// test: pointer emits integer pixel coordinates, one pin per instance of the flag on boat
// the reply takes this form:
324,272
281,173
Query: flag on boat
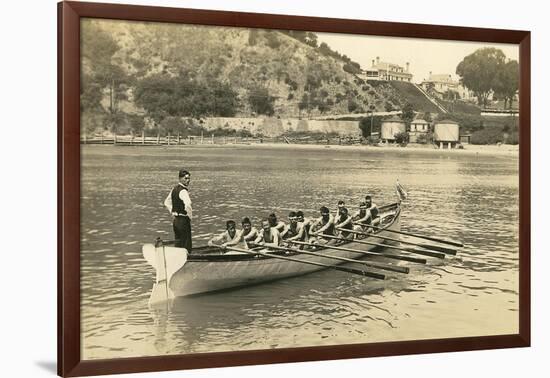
401,192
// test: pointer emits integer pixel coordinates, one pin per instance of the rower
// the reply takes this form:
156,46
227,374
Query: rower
273,222
323,225
345,222
341,204
373,211
294,230
268,236
248,232
306,223
229,237
361,216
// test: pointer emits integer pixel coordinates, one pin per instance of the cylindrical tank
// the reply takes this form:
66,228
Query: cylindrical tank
392,126
446,131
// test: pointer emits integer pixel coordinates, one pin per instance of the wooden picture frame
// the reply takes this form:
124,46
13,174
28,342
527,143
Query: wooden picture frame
69,358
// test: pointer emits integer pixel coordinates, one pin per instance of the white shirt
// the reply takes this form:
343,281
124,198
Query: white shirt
184,196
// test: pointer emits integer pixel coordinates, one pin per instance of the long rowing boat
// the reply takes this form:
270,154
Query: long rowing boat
209,269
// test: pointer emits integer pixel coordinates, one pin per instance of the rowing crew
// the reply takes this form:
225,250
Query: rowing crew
274,232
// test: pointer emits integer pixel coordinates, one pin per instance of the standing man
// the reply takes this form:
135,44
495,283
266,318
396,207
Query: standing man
178,203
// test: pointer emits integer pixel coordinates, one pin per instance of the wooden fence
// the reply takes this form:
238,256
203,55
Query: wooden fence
170,140
129,140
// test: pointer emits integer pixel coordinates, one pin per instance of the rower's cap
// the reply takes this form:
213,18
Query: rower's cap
184,172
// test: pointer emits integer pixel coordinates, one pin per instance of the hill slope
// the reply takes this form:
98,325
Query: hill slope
299,78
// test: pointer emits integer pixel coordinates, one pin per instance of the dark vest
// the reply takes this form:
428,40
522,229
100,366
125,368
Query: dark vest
177,204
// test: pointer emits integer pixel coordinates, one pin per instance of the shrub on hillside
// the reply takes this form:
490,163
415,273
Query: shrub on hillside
422,139
513,138
487,136
272,40
352,68
402,137
468,122
352,106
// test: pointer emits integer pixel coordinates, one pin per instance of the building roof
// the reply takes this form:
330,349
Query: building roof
420,121
441,78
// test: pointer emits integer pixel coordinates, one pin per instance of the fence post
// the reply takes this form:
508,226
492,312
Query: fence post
212,139
143,136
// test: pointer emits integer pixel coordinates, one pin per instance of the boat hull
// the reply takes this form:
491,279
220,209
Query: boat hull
201,276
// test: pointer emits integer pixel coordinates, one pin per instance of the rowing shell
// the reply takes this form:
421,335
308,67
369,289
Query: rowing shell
207,269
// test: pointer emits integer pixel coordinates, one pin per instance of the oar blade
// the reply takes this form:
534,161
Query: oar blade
437,255
404,258
437,248
360,272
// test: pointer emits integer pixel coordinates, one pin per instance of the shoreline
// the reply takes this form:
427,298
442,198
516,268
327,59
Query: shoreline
470,149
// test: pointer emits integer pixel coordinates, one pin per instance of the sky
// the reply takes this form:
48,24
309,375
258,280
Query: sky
424,55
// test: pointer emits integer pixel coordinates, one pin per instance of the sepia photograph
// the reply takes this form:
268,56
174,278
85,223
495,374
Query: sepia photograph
247,189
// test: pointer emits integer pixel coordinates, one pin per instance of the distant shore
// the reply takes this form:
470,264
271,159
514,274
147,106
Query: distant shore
469,149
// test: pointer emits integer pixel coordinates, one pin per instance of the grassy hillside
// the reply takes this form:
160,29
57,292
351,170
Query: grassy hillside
407,92
294,78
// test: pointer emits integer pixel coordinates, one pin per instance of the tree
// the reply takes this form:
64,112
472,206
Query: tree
156,95
407,113
137,124
311,39
428,117
173,126
402,137
104,73
369,125
223,98
261,101
508,82
479,72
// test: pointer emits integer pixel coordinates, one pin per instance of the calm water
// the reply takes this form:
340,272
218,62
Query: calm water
471,198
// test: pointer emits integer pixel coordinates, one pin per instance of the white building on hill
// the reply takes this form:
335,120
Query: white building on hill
387,71
439,84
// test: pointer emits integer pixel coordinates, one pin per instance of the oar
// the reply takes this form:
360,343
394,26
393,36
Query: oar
427,246
411,250
339,268
450,242
371,254
398,269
